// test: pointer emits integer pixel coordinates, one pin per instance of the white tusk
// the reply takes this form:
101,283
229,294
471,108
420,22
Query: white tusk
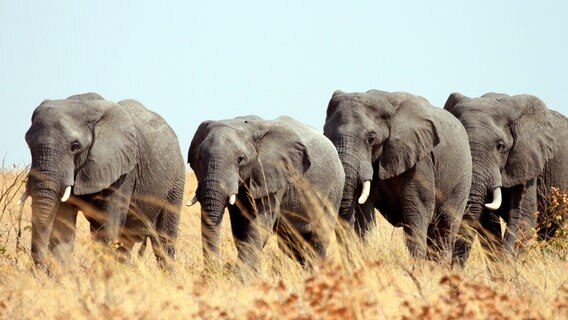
192,201
496,200
23,198
233,199
66,194
365,192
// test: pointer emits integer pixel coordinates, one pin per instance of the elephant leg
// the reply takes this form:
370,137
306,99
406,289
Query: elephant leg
364,218
465,238
301,245
290,242
62,237
490,234
418,203
522,216
447,223
251,224
107,217
167,226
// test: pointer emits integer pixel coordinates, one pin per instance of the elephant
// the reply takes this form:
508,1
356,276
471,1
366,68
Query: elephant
519,151
119,163
407,159
277,176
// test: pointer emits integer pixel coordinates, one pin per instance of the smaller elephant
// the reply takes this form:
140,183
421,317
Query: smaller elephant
273,175
519,149
406,158
119,163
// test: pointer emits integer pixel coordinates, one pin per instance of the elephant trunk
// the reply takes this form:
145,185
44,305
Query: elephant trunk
486,180
212,209
44,209
357,179
48,181
215,191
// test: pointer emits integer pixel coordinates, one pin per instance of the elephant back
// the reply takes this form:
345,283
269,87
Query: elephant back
155,135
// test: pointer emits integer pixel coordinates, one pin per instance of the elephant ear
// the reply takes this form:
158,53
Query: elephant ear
413,135
282,159
534,139
453,100
198,138
332,104
113,152
86,96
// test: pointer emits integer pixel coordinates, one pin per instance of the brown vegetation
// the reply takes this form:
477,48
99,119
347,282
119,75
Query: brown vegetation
380,280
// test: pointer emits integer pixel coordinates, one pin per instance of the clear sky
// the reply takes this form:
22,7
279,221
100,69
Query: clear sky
197,60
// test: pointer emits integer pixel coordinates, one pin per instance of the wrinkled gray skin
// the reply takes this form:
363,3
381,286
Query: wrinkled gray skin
417,158
126,169
283,174
517,144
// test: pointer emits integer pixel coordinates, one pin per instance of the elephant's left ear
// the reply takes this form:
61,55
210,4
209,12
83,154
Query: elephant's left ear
534,139
114,151
282,159
413,135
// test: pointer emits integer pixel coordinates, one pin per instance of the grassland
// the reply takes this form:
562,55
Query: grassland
380,280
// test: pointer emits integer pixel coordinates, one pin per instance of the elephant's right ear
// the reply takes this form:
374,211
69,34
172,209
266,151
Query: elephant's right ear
198,138
453,100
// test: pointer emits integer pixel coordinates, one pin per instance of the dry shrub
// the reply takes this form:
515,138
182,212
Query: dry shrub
553,225
463,299
378,280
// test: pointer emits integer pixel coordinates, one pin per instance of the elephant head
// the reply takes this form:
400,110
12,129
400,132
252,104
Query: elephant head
82,144
377,135
511,138
244,158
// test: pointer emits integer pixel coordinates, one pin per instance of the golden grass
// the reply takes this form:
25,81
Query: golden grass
381,281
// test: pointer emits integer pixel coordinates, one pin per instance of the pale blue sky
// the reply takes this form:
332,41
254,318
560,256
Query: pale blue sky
193,61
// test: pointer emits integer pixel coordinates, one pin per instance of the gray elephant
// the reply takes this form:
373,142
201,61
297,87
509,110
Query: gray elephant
407,159
119,163
273,175
519,150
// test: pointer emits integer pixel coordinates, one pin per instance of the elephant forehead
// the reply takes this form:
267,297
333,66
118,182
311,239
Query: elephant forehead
365,103
77,109
224,136
237,124
485,107
484,130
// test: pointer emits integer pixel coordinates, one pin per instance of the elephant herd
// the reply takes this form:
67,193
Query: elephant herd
443,175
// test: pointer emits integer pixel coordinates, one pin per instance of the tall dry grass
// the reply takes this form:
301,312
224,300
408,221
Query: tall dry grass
380,280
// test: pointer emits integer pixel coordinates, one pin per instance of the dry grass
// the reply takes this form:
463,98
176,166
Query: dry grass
381,281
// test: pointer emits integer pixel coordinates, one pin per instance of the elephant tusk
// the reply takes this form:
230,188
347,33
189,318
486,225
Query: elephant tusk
23,198
365,192
66,194
192,201
496,204
233,199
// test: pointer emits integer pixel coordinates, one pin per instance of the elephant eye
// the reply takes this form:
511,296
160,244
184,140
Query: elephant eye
501,147
241,160
371,138
75,146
